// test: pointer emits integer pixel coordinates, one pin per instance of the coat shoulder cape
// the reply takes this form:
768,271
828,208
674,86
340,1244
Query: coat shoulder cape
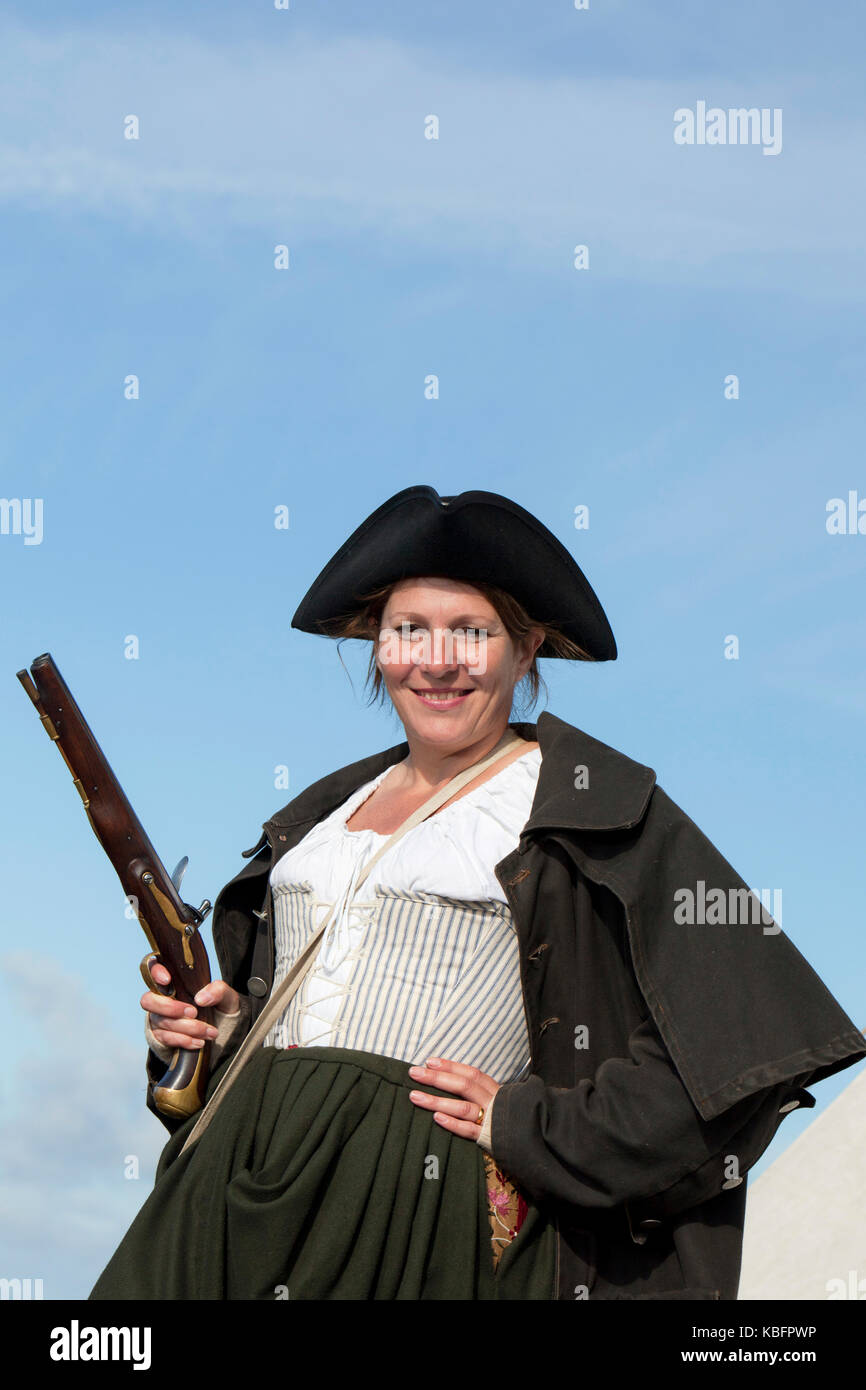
737,1005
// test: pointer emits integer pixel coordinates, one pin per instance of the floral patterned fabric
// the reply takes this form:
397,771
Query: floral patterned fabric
506,1208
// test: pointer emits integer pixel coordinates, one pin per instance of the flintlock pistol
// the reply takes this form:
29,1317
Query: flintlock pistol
170,925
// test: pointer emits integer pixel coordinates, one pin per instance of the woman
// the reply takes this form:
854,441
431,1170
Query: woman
508,1072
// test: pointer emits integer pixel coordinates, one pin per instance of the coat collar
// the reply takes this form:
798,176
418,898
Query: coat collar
584,784
612,791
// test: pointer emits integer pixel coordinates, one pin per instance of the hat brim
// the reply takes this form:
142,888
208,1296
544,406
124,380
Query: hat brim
473,537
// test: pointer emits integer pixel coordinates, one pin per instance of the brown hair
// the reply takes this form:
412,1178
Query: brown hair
364,622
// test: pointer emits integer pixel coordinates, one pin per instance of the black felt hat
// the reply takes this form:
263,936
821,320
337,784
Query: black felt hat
476,536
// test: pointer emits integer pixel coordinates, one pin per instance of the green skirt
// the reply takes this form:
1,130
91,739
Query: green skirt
318,1178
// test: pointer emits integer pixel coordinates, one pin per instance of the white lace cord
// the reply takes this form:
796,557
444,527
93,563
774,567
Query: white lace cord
336,943
325,1033
280,1031
334,948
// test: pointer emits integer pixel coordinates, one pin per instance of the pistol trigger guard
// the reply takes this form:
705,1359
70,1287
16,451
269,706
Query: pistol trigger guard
150,959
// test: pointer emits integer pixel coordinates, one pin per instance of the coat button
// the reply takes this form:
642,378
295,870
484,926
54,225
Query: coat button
797,1099
257,987
640,1231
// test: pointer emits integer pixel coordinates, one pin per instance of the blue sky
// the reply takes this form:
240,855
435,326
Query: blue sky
305,387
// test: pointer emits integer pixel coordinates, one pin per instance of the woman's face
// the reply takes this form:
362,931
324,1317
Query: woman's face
450,684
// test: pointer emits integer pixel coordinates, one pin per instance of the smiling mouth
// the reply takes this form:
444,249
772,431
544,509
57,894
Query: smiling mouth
440,697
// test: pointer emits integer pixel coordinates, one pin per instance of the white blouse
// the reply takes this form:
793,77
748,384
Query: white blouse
444,864
452,852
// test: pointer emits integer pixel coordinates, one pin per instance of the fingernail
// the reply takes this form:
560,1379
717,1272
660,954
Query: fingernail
434,1061
211,1032
202,997
189,1011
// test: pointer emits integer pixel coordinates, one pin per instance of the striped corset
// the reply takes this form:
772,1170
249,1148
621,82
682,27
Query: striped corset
404,974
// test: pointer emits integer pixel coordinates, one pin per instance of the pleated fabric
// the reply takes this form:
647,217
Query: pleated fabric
319,1179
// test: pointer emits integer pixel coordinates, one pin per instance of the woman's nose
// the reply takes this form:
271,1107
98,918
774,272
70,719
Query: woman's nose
439,652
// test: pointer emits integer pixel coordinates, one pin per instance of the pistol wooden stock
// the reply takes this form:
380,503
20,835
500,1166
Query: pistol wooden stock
170,925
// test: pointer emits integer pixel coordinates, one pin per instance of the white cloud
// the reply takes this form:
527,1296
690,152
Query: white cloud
70,1121
306,138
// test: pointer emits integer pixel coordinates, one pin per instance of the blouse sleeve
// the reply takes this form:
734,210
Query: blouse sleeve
227,1026
484,1140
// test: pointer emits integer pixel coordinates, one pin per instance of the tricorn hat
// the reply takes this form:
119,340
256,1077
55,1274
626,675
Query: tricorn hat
476,536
